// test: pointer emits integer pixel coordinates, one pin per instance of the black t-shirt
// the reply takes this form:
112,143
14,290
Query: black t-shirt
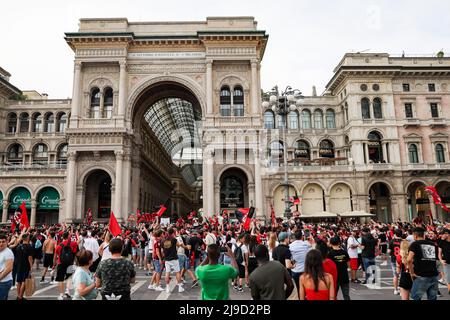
340,258
425,256
281,253
445,247
382,237
394,247
369,244
196,245
22,253
169,246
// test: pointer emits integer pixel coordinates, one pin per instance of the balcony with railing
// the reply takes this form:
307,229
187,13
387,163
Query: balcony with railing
411,122
13,168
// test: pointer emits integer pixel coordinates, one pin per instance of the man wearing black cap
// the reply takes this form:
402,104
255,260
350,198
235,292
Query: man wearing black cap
422,266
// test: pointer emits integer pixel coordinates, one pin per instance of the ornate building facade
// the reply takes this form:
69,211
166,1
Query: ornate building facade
172,112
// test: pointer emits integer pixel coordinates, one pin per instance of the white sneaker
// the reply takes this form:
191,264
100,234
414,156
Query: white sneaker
53,282
60,297
167,289
396,292
159,288
151,287
180,289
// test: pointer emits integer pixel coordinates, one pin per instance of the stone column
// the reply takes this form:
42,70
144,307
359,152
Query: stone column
217,197
366,152
76,108
205,184
209,88
258,186
254,87
122,88
71,185
432,207
126,185
135,186
119,184
33,212
210,165
385,152
5,211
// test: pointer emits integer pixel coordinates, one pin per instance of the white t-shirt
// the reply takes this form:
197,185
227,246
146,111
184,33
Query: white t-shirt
6,255
410,238
210,239
353,253
91,244
244,249
106,253
180,249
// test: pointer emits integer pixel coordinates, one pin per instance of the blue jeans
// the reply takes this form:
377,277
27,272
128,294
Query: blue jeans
422,285
368,262
4,289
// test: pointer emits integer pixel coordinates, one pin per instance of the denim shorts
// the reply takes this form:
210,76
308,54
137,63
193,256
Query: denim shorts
184,262
157,265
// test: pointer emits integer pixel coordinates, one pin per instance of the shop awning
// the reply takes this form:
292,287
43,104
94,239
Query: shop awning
18,196
48,199
323,214
356,214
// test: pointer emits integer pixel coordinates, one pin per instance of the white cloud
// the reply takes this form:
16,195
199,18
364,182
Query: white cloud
306,38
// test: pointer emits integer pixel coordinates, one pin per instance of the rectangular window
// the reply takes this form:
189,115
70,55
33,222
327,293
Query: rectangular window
406,87
238,110
225,110
434,110
408,110
431,87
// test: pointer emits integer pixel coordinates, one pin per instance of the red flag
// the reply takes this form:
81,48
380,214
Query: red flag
161,211
24,217
244,211
15,221
248,218
295,200
272,215
114,225
436,198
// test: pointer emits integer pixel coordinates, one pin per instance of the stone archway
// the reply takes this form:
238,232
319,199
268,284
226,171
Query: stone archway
234,193
97,194
418,200
380,201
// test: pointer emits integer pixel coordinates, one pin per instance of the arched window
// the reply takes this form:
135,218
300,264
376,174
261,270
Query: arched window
62,122
225,102
95,103
293,120
238,101
302,150
365,108
62,154
37,122
15,154
375,148
40,154
24,122
331,121
318,119
326,149
12,123
276,150
306,119
108,103
280,122
49,125
377,110
413,154
440,153
269,120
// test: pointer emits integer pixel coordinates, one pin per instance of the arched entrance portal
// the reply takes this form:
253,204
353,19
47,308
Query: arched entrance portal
97,195
443,189
234,189
418,201
168,148
380,202
47,210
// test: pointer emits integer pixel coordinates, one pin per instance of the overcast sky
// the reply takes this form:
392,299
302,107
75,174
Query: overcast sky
307,38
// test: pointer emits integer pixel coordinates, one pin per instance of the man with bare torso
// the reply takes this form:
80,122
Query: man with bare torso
49,251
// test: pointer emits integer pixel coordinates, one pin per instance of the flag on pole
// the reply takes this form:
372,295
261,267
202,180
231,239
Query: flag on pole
24,217
114,225
244,211
89,217
436,198
163,208
248,218
295,200
272,215
15,221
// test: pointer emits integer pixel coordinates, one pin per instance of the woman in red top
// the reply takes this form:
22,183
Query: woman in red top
315,284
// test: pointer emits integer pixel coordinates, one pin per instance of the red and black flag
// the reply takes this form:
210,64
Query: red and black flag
295,200
436,198
163,208
248,218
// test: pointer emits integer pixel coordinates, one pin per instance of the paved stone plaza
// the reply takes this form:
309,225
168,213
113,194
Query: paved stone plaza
380,291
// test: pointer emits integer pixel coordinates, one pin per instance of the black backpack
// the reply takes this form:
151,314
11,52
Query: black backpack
238,254
67,256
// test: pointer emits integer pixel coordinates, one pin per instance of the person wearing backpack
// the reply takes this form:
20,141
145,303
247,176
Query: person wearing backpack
239,251
65,257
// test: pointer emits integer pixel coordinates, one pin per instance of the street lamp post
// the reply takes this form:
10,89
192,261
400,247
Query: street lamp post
280,106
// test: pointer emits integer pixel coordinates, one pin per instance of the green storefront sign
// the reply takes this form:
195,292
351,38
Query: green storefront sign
18,196
48,199
1,201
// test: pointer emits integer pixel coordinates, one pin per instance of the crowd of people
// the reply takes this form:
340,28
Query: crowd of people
290,259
